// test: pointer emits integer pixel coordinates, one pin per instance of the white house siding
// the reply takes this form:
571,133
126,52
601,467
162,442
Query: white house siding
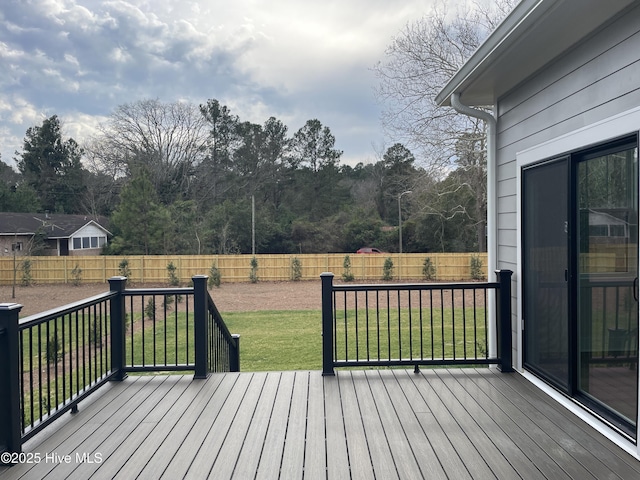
90,230
595,80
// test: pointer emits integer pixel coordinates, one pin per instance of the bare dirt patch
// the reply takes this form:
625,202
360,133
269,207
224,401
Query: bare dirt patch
229,297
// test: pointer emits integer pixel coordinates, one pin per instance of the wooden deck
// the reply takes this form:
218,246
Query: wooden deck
385,424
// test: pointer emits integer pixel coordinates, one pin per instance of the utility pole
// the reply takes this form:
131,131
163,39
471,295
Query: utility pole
400,219
253,225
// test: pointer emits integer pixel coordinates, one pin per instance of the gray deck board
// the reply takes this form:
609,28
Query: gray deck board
453,428
315,451
417,438
538,443
201,448
446,454
399,445
444,423
359,455
271,455
292,463
596,453
381,456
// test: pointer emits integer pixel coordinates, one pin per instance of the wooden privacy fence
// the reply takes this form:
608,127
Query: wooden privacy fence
237,268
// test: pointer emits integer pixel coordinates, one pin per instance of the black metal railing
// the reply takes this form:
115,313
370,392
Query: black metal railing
49,362
416,324
611,307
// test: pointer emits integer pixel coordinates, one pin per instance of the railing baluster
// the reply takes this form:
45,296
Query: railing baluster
448,323
399,326
31,370
433,345
410,325
464,325
453,322
378,322
346,329
355,299
421,325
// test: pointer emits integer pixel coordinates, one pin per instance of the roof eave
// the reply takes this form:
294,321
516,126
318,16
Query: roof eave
533,35
525,10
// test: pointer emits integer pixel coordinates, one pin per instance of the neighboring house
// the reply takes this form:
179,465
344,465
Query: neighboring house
51,234
563,80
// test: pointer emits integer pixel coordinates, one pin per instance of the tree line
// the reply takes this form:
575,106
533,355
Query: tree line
181,178
176,178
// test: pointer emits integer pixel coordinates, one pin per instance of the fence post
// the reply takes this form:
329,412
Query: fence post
327,323
503,320
234,361
201,327
10,415
118,284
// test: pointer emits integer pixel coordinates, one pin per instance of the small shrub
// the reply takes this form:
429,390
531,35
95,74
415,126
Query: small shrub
476,268
168,301
174,281
45,402
482,352
296,269
76,275
214,276
428,269
53,348
150,308
123,268
27,278
387,269
253,273
347,275
95,335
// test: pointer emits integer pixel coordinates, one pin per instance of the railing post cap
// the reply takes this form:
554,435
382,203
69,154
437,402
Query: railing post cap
200,276
327,274
117,278
8,306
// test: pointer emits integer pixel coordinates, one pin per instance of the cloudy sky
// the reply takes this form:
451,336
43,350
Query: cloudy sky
292,59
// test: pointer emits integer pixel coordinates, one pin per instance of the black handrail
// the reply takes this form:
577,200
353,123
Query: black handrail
51,361
415,324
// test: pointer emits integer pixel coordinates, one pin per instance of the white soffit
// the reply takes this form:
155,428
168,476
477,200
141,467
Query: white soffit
532,35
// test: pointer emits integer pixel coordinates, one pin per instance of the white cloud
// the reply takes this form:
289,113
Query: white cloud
293,59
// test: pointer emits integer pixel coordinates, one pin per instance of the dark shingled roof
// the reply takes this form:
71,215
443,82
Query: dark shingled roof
55,225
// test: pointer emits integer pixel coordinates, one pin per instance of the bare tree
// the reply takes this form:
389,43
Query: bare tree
417,64
167,139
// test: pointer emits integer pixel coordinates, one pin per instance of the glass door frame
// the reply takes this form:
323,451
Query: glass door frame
597,134
578,380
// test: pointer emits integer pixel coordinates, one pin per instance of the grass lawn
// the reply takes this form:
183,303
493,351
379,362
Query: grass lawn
292,340
278,340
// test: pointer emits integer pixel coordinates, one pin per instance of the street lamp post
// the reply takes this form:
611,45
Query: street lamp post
400,219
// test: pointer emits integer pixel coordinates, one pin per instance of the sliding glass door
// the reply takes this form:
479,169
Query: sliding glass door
607,303
545,217
580,277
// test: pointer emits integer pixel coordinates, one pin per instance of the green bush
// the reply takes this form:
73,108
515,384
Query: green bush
476,268
347,275
428,269
76,275
53,348
296,269
387,269
174,281
27,278
150,308
123,268
253,273
214,276
95,337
